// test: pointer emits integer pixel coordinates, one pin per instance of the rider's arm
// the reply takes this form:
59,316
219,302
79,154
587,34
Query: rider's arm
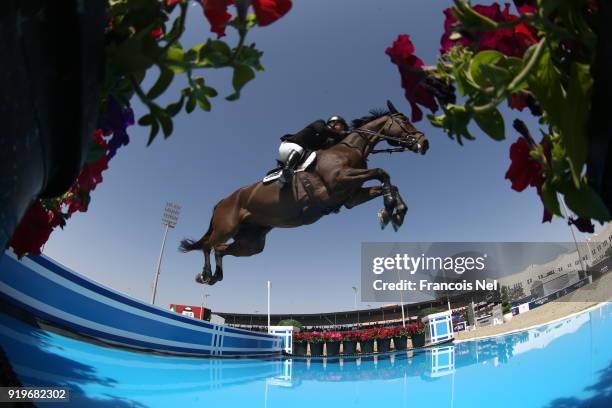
312,136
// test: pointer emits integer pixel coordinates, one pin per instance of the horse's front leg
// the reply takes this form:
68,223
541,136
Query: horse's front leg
364,195
351,177
397,217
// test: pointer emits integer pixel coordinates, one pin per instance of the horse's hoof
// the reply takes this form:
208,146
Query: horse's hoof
389,201
383,218
203,279
396,226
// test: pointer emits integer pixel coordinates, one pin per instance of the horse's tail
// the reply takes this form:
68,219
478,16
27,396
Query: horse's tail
191,245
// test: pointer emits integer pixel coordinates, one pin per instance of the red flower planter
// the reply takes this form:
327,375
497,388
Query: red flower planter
316,349
332,348
383,345
418,339
299,348
367,346
349,347
400,343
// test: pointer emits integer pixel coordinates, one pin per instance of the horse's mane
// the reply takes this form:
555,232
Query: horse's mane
374,114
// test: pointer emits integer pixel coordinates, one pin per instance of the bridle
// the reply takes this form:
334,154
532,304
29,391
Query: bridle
393,118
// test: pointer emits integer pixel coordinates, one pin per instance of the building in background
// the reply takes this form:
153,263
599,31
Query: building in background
543,279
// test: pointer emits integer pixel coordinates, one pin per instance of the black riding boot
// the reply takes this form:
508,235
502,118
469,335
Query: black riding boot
287,172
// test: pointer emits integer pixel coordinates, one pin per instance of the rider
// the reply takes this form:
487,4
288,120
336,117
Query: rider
318,135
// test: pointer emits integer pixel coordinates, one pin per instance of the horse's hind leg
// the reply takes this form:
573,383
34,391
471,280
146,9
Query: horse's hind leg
206,274
224,225
250,240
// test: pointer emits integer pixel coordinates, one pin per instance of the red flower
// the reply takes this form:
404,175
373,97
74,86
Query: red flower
509,41
523,171
91,174
526,6
98,138
332,336
411,71
33,230
268,11
446,41
78,200
518,101
417,327
217,15
157,33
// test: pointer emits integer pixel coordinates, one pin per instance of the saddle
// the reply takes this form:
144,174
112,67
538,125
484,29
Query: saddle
308,159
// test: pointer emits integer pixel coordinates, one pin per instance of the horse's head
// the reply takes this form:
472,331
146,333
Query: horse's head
402,133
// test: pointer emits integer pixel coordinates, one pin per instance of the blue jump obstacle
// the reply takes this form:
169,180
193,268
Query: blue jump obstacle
51,293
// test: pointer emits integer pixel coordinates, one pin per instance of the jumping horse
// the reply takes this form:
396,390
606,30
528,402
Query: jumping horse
335,180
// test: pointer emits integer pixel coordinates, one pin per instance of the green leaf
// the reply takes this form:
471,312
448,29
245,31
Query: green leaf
454,121
191,104
204,104
211,92
492,123
162,83
153,133
574,119
549,198
166,124
130,56
175,58
242,75
215,53
175,107
146,120
586,203
545,84
478,66
251,56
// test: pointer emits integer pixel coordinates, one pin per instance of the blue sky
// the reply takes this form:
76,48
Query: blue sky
323,58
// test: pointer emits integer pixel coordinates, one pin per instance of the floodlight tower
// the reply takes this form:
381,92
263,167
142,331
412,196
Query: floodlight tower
169,220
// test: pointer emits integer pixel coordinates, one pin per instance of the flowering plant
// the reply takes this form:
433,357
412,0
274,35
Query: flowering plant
143,37
367,334
384,333
314,337
299,337
416,328
350,335
400,331
331,337
548,58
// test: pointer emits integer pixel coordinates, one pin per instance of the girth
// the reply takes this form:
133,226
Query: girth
316,195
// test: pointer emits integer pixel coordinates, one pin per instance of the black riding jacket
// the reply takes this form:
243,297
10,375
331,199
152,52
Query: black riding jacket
315,136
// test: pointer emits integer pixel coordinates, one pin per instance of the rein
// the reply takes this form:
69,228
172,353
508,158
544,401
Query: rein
393,150
410,133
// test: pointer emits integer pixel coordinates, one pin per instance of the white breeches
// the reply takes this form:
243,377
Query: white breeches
285,149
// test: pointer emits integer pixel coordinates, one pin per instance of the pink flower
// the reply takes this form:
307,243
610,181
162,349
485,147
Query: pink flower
412,75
